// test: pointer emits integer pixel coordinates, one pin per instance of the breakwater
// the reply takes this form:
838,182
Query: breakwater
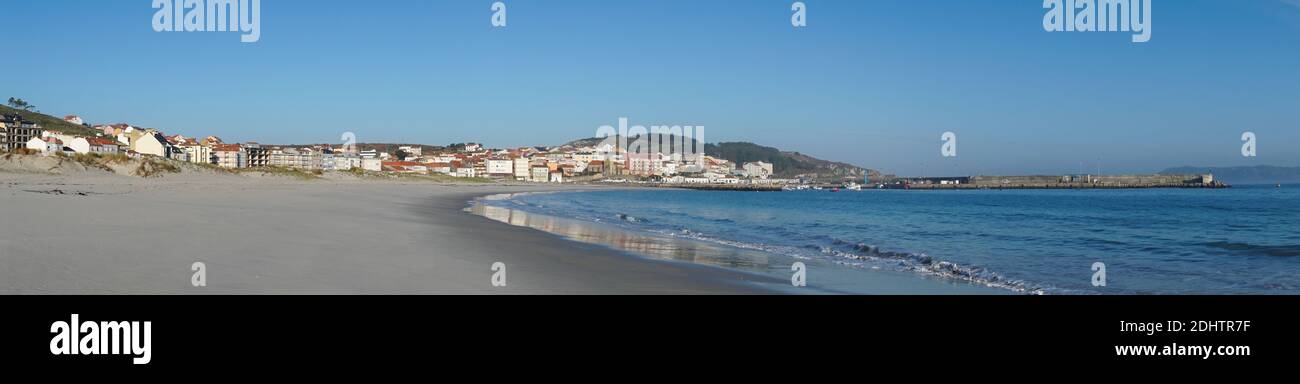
1060,182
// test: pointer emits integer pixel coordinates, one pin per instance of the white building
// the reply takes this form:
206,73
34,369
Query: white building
346,163
412,152
540,174
758,169
150,143
78,145
521,168
45,146
104,146
501,167
466,172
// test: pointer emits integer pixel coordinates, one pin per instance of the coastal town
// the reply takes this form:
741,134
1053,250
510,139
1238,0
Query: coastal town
583,161
558,164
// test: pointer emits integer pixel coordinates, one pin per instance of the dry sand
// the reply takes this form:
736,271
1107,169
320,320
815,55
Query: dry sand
94,232
72,229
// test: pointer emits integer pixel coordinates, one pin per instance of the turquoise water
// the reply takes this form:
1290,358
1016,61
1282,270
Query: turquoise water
1244,240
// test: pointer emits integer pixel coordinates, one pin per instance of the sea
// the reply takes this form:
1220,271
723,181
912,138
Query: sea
1241,240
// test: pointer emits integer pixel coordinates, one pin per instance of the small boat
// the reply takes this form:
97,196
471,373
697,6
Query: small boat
853,187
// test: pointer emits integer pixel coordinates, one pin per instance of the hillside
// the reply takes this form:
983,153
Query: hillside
595,141
785,164
1263,174
48,122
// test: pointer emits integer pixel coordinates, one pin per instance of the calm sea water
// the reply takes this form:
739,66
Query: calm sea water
1244,240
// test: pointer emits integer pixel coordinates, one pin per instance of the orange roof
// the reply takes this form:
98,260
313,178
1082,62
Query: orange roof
401,164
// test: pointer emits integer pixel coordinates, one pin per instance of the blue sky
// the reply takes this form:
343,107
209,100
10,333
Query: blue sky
870,82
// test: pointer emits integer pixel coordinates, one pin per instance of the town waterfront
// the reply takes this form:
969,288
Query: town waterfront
1243,240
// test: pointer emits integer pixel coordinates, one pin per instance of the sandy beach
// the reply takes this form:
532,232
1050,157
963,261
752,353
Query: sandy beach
71,229
110,234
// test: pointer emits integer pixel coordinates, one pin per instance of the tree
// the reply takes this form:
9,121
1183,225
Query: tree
20,104
401,155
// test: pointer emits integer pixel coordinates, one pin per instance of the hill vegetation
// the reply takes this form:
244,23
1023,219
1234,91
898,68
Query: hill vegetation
48,122
785,164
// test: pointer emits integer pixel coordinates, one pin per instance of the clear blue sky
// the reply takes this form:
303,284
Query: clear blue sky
871,82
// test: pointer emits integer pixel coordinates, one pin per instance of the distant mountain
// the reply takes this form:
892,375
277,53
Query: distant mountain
1263,174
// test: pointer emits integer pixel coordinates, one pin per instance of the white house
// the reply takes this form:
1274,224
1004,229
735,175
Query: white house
372,164
150,143
79,145
37,144
103,146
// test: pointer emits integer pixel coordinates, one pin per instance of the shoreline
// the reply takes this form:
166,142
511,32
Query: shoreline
830,277
111,234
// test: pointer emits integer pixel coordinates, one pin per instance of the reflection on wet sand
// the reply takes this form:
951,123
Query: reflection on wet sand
659,247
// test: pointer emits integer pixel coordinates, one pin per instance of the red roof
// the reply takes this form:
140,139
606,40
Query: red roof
101,141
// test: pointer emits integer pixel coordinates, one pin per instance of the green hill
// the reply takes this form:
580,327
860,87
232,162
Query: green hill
49,123
785,164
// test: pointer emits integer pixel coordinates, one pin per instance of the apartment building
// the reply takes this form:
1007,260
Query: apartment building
16,132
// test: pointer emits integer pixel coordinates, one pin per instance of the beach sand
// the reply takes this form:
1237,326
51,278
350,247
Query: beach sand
111,234
91,232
